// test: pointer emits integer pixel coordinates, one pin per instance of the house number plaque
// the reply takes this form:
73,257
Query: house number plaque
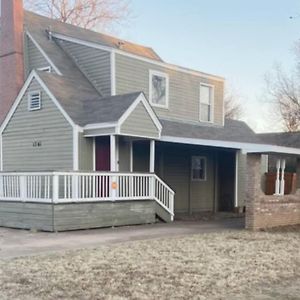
37,144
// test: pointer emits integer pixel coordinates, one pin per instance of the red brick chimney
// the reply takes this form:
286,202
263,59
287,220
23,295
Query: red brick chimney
11,53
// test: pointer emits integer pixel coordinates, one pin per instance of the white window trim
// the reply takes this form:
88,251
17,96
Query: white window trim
205,170
212,111
166,76
29,100
45,69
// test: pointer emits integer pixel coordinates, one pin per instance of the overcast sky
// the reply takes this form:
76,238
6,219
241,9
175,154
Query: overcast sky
240,40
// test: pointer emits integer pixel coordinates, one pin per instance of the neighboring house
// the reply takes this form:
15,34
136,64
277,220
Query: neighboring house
287,139
91,102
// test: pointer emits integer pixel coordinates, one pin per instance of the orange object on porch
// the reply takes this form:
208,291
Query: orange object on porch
289,184
114,185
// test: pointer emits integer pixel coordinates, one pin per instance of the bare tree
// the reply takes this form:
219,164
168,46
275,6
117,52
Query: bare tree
284,92
90,14
232,104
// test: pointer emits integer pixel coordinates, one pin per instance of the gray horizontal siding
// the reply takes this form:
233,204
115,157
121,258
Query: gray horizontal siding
133,75
35,58
94,63
47,126
139,123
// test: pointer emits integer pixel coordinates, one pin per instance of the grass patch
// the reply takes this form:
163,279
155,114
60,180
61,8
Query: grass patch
207,266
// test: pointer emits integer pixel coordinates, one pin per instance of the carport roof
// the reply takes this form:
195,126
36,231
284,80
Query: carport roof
232,131
234,134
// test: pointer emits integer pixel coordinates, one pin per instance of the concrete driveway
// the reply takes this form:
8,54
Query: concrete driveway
16,242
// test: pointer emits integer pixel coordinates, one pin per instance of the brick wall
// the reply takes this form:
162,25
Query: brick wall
264,211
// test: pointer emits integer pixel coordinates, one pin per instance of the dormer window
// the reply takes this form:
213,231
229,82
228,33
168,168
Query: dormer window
159,89
45,69
206,102
34,101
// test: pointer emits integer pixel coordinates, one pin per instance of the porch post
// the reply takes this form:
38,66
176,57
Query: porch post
282,182
131,156
277,182
152,156
113,156
236,179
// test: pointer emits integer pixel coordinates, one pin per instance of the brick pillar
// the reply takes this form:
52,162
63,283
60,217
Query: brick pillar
298,175
11,53
253,189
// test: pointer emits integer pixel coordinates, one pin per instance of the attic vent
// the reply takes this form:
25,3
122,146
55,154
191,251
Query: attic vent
45,69
34,101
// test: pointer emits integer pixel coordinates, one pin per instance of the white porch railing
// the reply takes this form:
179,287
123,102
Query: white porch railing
62,187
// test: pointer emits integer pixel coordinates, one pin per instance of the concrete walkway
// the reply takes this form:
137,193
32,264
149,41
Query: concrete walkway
15,242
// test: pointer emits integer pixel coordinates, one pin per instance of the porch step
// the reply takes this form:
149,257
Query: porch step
162,213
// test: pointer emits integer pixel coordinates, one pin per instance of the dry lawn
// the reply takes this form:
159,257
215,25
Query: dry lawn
227,265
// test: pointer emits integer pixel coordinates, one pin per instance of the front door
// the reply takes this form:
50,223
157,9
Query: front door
103,153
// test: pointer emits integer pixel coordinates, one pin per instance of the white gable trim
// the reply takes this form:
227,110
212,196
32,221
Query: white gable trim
34,75
1,153
140,99
141,58
43,53
112,74
75,148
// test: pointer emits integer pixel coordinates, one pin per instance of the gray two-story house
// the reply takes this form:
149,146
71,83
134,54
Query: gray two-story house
100,118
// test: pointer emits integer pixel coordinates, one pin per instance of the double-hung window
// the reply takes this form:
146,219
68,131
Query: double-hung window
158,89
206,102
198,169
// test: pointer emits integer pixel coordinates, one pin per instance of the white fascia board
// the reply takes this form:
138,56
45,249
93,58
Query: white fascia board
245,147
100,125
141,58
140,99
1,153
75,148
43,53
17,101
273,149
81,42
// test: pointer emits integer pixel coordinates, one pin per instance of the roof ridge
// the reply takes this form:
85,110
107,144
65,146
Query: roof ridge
114,39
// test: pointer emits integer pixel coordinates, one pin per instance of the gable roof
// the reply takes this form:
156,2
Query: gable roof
288,139
42,23
83,104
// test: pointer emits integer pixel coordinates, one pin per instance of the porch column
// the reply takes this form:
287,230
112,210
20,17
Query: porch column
282,182
152,156
277,181
298,173
236,179
113,153
131,156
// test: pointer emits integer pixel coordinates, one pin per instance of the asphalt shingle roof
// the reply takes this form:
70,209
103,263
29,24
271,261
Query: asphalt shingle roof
41,22
233,131
84,105
287,139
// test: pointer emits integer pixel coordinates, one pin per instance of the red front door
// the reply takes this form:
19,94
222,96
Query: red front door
103,153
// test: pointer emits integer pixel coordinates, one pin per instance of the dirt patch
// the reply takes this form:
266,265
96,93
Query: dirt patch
207,266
